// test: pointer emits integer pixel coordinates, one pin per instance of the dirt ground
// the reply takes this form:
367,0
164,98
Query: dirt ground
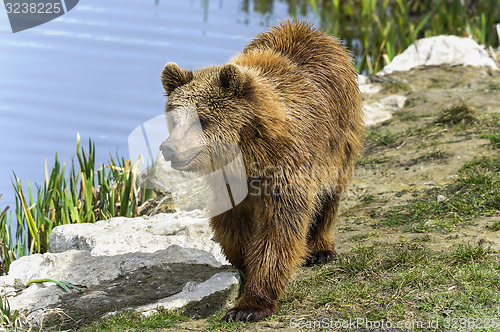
415,162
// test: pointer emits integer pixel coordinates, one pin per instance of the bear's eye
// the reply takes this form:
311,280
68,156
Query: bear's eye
203,122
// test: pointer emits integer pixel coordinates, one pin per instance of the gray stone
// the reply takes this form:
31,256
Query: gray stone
199,298
393,102
188,190
122,235
365,86
440,50
182,278
381,110
375,113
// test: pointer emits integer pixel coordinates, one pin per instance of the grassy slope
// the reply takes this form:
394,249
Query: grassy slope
402,254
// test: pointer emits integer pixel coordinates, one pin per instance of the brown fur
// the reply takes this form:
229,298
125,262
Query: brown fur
291,102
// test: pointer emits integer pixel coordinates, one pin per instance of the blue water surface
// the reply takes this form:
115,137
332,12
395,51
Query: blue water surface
96,71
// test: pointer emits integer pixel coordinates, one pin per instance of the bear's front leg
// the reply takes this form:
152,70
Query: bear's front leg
275,251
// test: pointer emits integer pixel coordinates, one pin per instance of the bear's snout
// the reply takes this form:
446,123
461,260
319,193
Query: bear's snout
169,150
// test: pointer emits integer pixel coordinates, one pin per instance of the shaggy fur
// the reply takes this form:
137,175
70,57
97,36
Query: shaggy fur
291,102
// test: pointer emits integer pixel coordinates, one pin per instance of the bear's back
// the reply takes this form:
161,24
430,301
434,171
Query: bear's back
317,80
300,42
324,60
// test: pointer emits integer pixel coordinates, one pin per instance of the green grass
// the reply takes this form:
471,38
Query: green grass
380,137
215,323
421,131
439,83
406,115
414,101
9,318
400,282
392,282
443,83
396,87
492,86
364,161
425,238
9,248
361,237
493,137
466,253
495,226
132,321
436,154
475,193
457,83
458,114
493,125
367,198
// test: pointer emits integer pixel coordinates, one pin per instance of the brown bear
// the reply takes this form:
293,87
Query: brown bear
290,101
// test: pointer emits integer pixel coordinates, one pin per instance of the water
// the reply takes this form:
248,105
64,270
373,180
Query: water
96,71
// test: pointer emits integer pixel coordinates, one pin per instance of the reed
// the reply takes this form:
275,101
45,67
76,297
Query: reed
377,31
82,194
9,318
10,247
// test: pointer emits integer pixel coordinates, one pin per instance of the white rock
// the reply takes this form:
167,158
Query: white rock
136,263
498,31
380,111
188,189
123,235
393,102
81,268
375,113
366,87
441,198
440,50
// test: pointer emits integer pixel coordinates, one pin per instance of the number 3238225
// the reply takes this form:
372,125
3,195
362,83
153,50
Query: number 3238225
33,8
471,323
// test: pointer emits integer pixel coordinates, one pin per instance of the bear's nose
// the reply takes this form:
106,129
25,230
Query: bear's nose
168,149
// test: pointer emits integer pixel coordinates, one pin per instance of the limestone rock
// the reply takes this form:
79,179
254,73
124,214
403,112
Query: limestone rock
440,50
393,102
122,235
183,278
379,111
365,85
188,190
123,264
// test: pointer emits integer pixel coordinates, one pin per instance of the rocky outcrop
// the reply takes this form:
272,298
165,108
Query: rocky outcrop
123,264
440,50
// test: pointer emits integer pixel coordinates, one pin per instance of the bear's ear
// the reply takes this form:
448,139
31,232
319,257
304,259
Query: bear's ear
232,79
173,77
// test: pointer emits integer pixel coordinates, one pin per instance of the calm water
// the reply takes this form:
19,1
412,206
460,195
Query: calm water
96,71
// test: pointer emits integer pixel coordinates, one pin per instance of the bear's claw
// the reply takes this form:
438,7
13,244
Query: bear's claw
245,315
320,257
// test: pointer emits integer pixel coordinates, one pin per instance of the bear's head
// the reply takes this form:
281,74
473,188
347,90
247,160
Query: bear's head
206,112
